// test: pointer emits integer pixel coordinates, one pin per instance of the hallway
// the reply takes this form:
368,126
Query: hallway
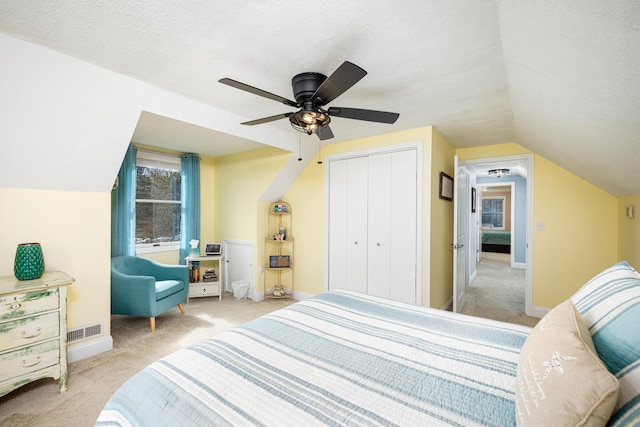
498,291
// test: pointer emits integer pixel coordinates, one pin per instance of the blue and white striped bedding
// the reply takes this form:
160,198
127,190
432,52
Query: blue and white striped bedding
337,359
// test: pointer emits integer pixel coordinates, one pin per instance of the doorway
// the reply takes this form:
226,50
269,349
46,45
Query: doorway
519,258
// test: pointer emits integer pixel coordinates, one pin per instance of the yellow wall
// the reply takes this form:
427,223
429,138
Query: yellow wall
239,182
306,197
441,258
629,231
580,227
74,229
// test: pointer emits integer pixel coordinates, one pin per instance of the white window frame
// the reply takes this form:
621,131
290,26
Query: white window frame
151,157
504,210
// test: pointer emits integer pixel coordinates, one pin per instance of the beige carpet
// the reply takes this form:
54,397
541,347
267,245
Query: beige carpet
498,291
93,380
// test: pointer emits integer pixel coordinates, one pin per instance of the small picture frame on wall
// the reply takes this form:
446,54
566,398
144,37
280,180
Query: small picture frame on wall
446,187
473,199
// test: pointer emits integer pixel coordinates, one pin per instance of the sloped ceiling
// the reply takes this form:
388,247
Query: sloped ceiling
560,78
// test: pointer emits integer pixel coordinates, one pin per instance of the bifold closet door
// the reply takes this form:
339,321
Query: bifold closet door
372,224
392,226
403,256
348,224
379,225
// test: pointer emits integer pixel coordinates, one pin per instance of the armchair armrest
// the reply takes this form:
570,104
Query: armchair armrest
133,295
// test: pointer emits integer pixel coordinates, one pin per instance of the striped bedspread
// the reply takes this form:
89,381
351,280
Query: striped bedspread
341,359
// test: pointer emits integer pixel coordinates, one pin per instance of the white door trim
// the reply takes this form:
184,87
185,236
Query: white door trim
528,297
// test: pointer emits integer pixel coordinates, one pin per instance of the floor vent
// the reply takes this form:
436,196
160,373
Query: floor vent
84,332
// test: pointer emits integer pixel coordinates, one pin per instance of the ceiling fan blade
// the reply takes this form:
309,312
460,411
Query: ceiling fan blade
324,133
267,119
359,114
337,83
256,91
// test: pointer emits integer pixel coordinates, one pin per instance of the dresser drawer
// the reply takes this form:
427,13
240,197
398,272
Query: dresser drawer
27,330
29,359
15,305
204,288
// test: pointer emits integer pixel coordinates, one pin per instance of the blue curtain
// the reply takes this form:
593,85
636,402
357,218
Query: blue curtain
123,207
190,221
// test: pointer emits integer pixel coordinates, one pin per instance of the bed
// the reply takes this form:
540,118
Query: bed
349,359
496,241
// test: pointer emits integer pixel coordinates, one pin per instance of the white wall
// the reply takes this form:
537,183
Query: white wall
68,122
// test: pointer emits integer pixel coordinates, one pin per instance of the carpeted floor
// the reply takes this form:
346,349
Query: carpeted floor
498,291
92,381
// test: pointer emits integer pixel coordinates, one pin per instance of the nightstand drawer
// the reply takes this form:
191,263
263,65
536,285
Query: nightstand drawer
29,359
204,288
20,332
12,306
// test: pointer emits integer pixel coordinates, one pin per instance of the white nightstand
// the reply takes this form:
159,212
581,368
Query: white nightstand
203,287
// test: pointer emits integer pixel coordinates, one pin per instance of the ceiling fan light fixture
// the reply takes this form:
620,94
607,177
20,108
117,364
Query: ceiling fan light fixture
498,173
309,121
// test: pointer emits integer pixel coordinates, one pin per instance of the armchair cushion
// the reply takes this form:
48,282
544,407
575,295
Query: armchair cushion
164,288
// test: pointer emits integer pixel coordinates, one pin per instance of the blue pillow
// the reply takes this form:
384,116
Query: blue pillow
610,307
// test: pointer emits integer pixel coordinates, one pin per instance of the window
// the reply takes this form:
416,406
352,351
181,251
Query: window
493,212
158,201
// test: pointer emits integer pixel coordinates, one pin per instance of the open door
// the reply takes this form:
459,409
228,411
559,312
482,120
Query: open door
460,227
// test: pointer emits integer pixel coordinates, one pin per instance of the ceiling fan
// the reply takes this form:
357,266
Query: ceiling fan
312,92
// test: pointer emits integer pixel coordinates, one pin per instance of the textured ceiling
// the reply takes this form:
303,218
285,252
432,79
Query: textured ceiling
560,78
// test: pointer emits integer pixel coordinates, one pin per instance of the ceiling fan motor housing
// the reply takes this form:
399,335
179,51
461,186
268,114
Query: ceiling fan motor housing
305,85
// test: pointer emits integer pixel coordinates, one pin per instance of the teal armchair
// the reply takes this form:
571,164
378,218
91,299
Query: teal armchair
142,287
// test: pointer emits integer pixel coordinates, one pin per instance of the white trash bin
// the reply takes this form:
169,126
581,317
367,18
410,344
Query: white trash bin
240,289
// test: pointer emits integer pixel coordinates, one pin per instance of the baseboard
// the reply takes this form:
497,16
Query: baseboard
301,296
82,351
538,312
473,276
521,265
448,306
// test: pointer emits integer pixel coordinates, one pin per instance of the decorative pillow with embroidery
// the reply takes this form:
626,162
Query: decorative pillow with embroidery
561,381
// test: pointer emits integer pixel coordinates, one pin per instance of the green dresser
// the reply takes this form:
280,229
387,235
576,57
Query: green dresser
33,330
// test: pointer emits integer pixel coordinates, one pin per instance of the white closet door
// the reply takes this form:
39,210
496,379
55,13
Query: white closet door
404,223
372,225
379,207
348,224
337,212
356,234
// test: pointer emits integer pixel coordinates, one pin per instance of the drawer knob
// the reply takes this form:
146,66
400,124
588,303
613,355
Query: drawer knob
15,306
33,362
33,333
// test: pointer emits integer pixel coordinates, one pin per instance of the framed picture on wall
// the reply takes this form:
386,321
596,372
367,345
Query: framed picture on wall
473,199
446,186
